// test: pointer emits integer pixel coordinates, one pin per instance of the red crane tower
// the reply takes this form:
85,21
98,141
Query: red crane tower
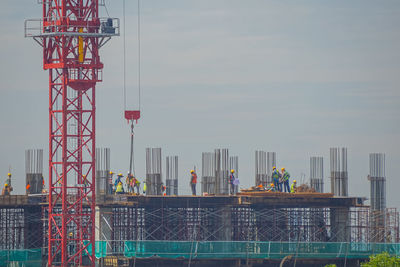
71,34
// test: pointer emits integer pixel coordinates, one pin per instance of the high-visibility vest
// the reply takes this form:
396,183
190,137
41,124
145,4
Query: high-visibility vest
292,188
119,188
144,187
285,176
275,175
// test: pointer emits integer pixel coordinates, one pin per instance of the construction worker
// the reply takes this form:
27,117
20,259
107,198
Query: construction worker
85,182
28,188
137,185
271,188
144,187
293,187
6,190
163,189
119,189
193,182
118,180
128,182
8,182
110,183
231,185
285,179
275,178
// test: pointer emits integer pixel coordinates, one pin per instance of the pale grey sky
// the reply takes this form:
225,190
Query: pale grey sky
295,77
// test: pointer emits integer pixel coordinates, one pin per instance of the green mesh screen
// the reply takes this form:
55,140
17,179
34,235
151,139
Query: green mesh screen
30,257
255,250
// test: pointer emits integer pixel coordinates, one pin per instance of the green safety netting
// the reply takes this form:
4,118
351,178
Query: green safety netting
218,250
30,257
254,250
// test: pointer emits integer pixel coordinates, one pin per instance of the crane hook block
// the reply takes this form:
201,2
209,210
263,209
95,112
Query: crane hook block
132,115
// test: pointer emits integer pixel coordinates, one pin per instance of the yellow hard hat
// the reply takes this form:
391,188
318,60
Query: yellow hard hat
84,176
232,171
71,234
6,185
272,185
294,181
120,183
9,174
120,174
282,169
191,171
274,168
111,172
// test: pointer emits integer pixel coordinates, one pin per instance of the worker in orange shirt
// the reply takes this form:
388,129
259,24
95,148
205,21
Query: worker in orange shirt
193,181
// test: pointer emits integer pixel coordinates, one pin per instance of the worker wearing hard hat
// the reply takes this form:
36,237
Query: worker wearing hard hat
231,185
293,187
271,188
285,178
193,181
6,190
275,178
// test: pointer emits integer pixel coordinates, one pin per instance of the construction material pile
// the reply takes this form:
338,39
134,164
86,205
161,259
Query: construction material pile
304,188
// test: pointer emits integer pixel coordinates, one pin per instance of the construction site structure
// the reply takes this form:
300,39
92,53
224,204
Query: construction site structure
264,162
377,180
216,169
71,34
102,171
314,228
339,174
171,171
317,173
153,171
34,171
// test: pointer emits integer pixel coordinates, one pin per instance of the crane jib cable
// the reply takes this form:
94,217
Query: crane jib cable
131,115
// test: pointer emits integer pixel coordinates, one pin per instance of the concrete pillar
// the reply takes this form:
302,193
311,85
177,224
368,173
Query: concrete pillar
225,233
340,224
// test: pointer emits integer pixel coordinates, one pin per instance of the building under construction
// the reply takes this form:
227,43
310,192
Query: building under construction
78,220
249,228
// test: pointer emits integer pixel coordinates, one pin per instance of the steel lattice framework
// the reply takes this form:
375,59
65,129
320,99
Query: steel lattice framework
71,34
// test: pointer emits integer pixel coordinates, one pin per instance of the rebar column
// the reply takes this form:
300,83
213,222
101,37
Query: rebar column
263,167
339,174
222,171
208,173
153,171
102,171
260,167
378,196
172,175
317,173
34,170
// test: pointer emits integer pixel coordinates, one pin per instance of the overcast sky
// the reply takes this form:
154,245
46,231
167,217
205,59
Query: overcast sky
294,77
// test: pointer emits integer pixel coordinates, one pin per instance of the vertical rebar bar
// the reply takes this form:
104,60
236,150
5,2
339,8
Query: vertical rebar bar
153,171
339,174
317,173
34,170
172,175
208,179
378,196
102,170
